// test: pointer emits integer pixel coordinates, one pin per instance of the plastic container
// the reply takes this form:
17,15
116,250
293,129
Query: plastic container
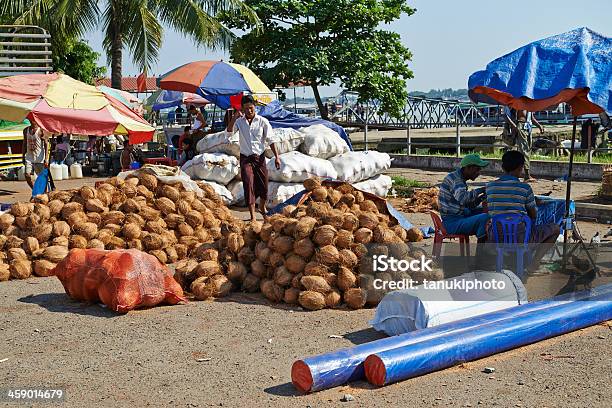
21,173
56,171
65,174
76,171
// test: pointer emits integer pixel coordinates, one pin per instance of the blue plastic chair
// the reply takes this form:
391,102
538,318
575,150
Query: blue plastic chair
509,227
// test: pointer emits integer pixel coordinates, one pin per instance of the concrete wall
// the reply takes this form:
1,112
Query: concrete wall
546,169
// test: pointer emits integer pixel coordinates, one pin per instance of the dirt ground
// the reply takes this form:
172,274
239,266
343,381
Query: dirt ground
238,352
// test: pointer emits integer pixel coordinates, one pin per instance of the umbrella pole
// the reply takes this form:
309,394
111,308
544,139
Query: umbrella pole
568,195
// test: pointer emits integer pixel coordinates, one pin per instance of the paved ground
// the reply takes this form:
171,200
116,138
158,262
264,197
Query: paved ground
238,352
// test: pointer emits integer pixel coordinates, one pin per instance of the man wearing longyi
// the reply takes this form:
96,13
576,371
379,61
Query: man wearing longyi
254,136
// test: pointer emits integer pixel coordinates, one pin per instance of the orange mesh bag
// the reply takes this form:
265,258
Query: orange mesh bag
121,279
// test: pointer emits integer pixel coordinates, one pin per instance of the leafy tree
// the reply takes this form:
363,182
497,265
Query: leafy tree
77,59
320,42
132,24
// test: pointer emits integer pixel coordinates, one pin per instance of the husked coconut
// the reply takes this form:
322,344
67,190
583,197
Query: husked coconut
160,255
304,227
5,272
6,220
324,235
328,255
258,268
276,259
207,268
94,218
43,268
55,253
30,244
311,300
221,285
304,248
332,299
250,283
20,269
61,240
152,241
363,235
333,196
201,290
355,298
77,241
315,283
115,243
312,183
282,276
291,296
95,244
348,258
42,232
319,194
165,205
170,192
148,181
17,253
318,210
87,230
283,244
315,269
271,291
346,279
235,242
414,235
131,231
246,256
21,209
55,207
236,272
344,239
295,263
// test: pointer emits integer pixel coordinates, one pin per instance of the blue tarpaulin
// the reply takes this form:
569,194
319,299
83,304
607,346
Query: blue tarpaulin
541,70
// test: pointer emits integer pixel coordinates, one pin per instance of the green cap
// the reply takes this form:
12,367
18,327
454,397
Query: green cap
473,160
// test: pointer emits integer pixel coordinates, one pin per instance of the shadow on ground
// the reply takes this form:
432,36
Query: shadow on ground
364,336
61,303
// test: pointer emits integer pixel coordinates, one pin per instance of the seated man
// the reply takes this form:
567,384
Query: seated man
188,152
459,207
507,195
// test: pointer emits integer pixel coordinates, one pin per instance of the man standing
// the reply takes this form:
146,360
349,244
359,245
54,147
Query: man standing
35,150
459,207
522,128
254,136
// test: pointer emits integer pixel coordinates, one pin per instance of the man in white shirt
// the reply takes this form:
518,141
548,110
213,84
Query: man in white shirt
254,136
35,151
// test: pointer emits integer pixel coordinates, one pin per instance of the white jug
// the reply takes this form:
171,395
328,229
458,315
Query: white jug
56,171
65,174
76,171
21,173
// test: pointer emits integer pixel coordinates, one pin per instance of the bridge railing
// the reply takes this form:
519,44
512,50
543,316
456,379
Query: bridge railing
24,49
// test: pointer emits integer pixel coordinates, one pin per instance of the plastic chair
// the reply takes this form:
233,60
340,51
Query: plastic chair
508,225
440,235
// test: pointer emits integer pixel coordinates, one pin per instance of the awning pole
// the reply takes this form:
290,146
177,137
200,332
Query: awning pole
566,221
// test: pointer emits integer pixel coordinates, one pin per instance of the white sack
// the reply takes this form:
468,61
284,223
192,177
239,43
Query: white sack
353,167
237,190
281,192
323,142
285,140
222,191
407,310
297,167
220,142
218,167
379,185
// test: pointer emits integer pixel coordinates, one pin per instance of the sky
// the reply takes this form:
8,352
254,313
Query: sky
449,39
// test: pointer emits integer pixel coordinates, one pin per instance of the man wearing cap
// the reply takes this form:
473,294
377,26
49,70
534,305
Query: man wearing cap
459,207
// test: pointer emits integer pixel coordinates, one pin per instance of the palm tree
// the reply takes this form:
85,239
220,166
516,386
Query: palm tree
133,24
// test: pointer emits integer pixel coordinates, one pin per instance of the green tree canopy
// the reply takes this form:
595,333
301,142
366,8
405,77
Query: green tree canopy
320,42
77,59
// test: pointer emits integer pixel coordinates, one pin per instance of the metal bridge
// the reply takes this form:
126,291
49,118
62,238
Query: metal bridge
24,50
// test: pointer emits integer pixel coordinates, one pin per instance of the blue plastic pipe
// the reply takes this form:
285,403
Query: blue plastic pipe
336,368
437,353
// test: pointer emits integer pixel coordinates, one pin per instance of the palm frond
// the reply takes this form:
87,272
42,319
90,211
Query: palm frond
144,35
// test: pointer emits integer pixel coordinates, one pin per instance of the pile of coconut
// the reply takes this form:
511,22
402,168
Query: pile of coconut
316,255
163,219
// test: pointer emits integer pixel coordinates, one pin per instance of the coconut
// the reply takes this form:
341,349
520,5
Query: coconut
113,217
333,196
155,227
160,255
95,218
291,296
183,273
105,197
414,235
221,285
304,227
332,299
5,272
368,220
363,236
319,194
207,268
146,180
346,279
43,268
169,238
88,229
145,192
181,250
188,196
184,229
328,255
355,298
400,232
205,253
282,244
42,211
32,221
311,300
115,243
55,253
383,235
131,205
250,283
304,248
235,242
149,213
127,190
21,209
271,291
315,283
95,244
194,218
236,272
20,269
63,195
13,241
295,263
104,235
173,220
132,179
30,244
350,222
295,281
71,208
200,289
289,211
134,219
165,205
258,268
312,183
266,232
6,220
189,241
87,192
324,235
315,269
55,207
41,199
77,241
17,253
344,239
152,241
282,276
318,210
20,222
76,218
131,231
170,192
368,206
348,258
246,255
42,232
62,241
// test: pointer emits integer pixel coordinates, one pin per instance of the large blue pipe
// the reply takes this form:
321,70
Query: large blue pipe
339,367
437,353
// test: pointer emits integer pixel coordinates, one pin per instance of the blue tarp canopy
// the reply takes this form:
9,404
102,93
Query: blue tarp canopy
282,118
573,67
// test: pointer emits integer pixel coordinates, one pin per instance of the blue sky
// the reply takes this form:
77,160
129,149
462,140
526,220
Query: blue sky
449,39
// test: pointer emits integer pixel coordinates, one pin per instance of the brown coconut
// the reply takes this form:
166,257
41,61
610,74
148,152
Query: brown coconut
328,255
318,210
335,218
235,242
42,232
311,300
291,296
246,255
315,283
116,243
42,211
5,272
95,244
43,268
304,227
30,244
189,241
160,255
149,214
414,235
17,253
344,239
89,230
206,253
135,244
332,299
200,289
165,205
333,196
363,235
21,209
55,253
258,268
236,272
148,181
221,285
271,291
304,248
282,276
173,220
20,269
77,241
6,220
152,241
282,244
348,258
170,193
131,231
208,268
194,218
13,241
295,263
55,207
324,235
312,183
355,298
95,218
346,279
319,194
155,227
70,208
315,269
250,283
62,241
113,217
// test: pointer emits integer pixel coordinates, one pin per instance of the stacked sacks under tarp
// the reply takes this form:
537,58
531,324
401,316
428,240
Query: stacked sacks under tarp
314,151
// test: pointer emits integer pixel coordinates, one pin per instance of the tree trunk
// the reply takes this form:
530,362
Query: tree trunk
116,57
322,108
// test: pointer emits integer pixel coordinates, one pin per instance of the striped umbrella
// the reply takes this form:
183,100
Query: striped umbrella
212,78
61,104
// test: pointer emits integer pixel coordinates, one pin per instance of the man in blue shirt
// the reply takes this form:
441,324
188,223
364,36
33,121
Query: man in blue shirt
460,209
508,195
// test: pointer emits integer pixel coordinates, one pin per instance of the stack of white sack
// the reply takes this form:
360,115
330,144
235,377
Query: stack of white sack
277,192
379,185
285,140
220,142
323,142
354,167
217,167
296,167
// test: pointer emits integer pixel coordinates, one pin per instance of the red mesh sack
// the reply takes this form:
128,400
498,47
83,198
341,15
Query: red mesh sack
121,279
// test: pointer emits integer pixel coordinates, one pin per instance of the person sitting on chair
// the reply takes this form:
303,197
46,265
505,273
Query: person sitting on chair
188,152
459,208
508,195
